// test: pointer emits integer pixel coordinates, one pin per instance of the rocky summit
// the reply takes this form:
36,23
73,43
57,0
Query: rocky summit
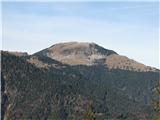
81,53
76,81
75,53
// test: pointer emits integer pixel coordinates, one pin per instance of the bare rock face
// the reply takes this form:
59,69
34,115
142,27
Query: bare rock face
81,53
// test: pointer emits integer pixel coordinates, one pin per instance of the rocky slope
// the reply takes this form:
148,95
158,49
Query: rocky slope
79,53
59,82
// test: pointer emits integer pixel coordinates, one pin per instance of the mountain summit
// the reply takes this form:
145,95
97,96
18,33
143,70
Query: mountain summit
76,53
83,53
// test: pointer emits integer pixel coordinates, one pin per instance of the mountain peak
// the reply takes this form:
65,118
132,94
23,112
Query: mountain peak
75,53
84,53
79,48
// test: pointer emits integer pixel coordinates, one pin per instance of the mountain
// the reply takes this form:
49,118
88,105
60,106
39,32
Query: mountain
60,82
80,53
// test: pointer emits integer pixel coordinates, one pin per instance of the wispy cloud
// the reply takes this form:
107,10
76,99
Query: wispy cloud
80,0
136,6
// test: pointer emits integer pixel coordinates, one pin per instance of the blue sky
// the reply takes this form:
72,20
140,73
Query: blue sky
129,28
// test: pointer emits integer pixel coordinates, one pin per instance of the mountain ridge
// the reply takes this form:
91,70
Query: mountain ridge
38,86
84,53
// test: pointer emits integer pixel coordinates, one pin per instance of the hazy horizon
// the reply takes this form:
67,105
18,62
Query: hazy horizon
128,28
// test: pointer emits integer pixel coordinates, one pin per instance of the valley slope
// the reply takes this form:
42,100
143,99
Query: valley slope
59,82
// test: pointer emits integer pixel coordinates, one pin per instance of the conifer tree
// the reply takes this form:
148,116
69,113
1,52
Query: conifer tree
89,114
157,103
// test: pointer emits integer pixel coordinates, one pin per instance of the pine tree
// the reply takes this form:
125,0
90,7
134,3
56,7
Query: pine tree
157,103
89,114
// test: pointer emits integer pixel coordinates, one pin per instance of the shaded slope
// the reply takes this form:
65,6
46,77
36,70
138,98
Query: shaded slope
60,91
31,90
